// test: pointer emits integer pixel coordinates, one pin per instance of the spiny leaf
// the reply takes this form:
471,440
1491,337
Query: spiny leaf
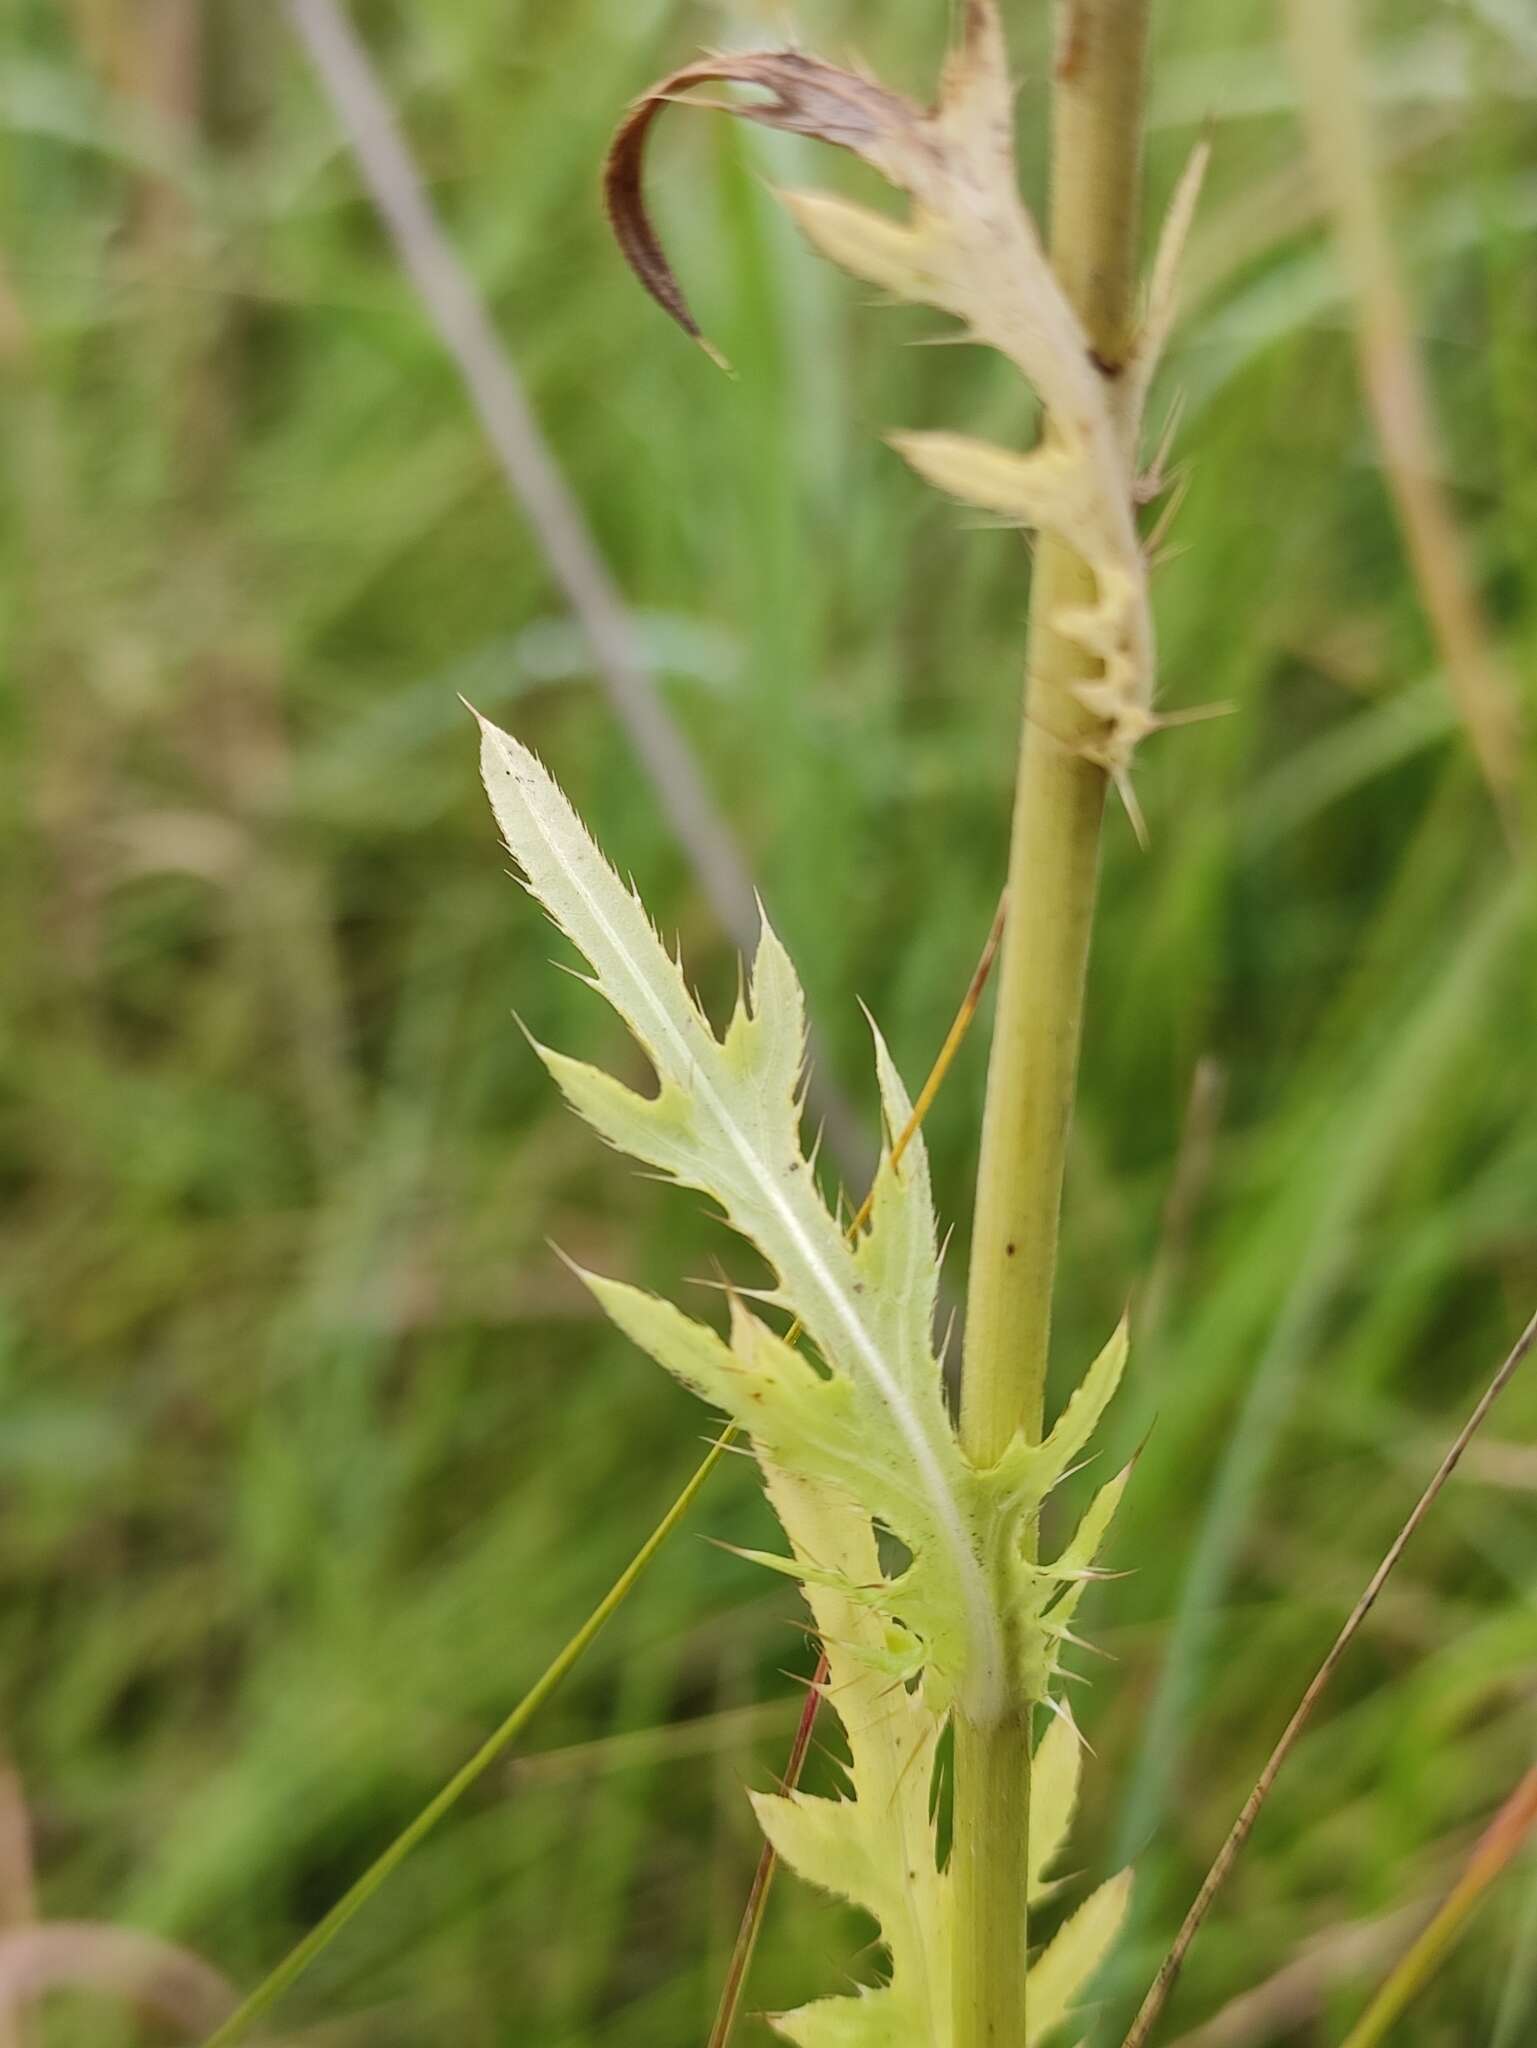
870,1423
1028,490
853,1436
1054,1776
1073,1955
878,1848
1163,285
726,1120
1087,1403
970,248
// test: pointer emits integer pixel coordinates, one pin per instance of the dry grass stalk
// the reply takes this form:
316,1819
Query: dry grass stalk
1168,1975
1334,101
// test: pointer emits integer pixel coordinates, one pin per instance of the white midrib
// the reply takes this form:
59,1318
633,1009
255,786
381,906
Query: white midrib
985,1689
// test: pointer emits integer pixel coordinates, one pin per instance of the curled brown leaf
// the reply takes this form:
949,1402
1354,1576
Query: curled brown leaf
967,246
805,97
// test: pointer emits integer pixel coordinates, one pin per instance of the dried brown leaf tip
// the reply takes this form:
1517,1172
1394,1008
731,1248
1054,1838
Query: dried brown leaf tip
969,247
804,97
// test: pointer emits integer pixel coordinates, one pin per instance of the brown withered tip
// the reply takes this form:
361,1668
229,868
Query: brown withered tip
805,97
625,205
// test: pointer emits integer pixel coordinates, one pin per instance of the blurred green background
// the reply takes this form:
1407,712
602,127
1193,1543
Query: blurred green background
312,1454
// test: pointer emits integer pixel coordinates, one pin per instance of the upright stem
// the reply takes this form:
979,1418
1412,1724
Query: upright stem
1059,797
1053,869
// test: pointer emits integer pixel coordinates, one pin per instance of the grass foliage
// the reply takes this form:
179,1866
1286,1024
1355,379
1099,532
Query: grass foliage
313,1453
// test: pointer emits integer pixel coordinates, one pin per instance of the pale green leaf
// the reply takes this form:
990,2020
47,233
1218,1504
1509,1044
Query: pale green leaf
726,1119
852,1434
1054,1775
1027,490
1063,1969
877,1848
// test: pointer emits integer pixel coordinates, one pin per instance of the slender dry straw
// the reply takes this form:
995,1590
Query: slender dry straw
18,1895
1501,1842
1168,1974
745,1946
1334,97
1298,1993
1098,101
534,480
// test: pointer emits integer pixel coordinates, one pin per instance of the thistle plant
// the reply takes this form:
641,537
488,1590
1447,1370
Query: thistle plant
914,1533
854,1438
832,1371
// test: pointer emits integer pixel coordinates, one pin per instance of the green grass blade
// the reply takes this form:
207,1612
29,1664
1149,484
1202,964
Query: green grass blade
320,1937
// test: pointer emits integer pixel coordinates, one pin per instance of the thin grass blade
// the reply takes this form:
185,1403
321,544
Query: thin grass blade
293,1966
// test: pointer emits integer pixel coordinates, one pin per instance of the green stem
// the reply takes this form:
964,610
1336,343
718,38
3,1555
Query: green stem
989,1870
1053,869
